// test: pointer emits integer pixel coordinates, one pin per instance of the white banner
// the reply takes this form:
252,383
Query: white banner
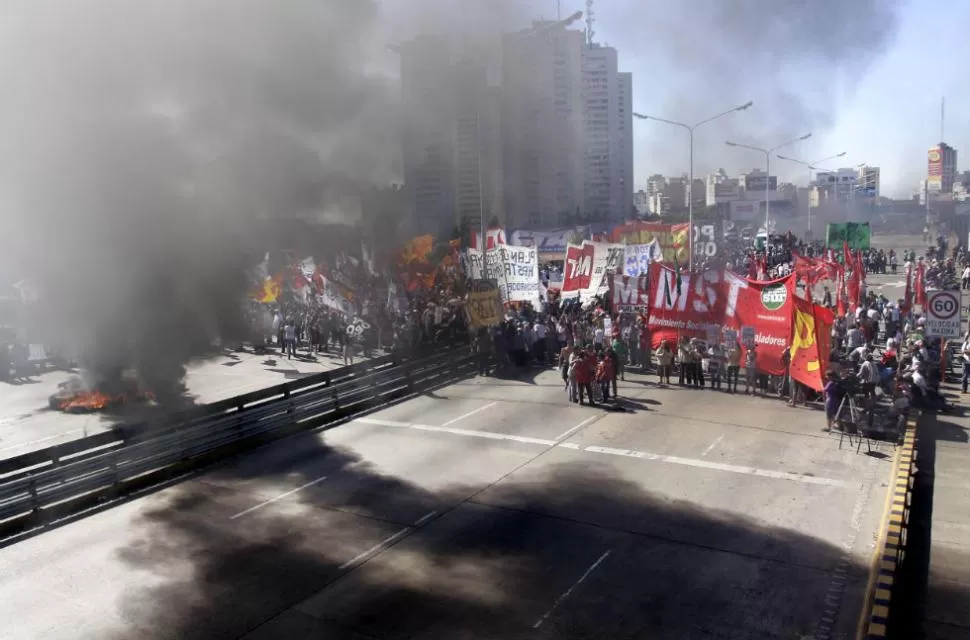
333,299
637,257
516,269
552,241
607,258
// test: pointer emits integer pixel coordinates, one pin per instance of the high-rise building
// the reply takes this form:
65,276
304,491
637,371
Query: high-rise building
608,154
868,181
428,141
623,185
543,125
941,168
721,189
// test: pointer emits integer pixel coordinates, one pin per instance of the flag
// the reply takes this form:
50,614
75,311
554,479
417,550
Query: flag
919,284
908,295
667,299
677,271
810,343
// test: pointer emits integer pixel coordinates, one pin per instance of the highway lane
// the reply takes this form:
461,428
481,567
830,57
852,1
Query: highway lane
27,424
487,509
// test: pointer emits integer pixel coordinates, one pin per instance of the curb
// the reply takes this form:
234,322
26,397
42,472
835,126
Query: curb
892,545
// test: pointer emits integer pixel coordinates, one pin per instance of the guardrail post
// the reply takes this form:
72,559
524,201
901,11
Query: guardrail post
32,488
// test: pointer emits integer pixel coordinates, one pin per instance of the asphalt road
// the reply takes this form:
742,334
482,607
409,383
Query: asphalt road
27,424
490,509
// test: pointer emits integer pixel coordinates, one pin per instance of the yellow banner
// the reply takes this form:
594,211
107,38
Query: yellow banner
484,307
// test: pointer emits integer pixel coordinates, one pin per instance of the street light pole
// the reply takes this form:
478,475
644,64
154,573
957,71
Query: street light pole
768,153
690,184
811,167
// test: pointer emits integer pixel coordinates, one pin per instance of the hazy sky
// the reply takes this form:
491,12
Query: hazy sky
888,116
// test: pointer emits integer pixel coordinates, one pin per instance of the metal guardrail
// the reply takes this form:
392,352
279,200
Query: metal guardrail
41,486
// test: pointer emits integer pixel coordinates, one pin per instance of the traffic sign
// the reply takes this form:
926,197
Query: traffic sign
943,314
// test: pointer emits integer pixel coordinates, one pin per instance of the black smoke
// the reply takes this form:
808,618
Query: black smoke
798,60
148,149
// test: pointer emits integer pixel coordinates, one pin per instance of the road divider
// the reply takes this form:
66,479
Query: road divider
43,487
891,547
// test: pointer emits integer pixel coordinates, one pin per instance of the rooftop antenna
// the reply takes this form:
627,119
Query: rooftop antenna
942,111
589,23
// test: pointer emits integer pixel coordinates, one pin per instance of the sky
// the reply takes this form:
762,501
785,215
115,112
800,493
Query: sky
862,76
884,106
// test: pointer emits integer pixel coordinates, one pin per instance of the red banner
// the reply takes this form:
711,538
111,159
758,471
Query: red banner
578,268
674,239
811,337
630,294
707,302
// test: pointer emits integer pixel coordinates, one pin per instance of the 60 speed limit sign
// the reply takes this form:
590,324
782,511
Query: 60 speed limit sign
943,314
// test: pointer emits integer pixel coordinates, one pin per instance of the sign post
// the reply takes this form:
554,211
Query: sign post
943,314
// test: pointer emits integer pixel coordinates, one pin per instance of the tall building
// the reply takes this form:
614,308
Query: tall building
624,148
428,140
609,135
868,181
941,168
543,125
477,145
721,189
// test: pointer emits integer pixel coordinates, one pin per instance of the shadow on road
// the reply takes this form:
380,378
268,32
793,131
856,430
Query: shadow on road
914,592
490,565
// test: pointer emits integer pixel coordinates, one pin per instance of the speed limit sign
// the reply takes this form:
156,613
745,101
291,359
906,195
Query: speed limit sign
943,314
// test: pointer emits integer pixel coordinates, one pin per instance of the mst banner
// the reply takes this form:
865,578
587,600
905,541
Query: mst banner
516,270
587,266
630,294
709,301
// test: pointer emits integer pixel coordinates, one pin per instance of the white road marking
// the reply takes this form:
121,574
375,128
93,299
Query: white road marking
425,518
718,466
713,444
363,557
38,441
469,414
488,435
568,591
567,434
626,453
277,498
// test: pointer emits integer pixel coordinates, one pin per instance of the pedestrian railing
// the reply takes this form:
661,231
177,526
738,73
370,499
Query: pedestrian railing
43,486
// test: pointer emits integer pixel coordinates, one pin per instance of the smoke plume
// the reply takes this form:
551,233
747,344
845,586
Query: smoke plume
144,141
796,59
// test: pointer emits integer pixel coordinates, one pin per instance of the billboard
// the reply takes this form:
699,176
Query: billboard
743,211
934,163
757,183
726,191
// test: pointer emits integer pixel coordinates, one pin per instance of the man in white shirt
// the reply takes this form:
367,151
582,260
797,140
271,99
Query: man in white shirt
539,346
598,337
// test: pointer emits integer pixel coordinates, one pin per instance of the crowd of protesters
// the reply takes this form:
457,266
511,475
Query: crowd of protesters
878,345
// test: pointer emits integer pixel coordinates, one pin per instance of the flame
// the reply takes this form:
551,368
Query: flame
81,400
89,401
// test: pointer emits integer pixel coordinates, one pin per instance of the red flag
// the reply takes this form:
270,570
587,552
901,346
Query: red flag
840,293
919,285
908,296
811,327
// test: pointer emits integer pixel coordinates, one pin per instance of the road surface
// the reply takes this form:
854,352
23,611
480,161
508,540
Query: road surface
489,509
27,424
